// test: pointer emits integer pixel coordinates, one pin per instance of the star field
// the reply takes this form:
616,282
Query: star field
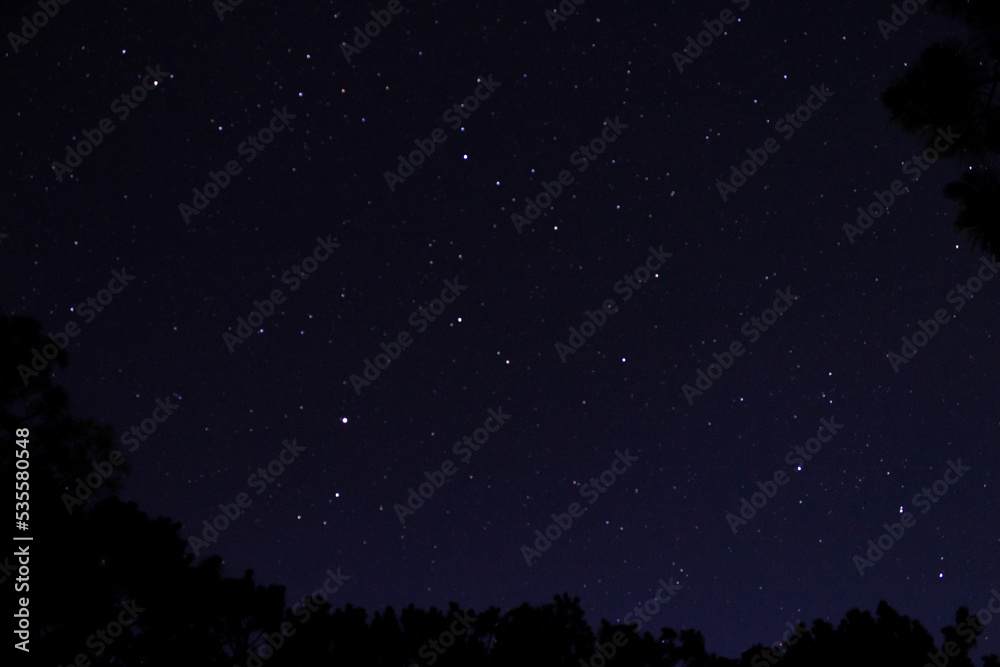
359,260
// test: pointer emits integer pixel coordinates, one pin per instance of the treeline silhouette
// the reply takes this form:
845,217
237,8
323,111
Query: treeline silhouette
953,84
111,586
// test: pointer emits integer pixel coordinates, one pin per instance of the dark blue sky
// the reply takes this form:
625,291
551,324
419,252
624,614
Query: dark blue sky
296,142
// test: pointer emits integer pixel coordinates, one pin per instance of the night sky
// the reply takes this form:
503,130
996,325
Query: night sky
486,381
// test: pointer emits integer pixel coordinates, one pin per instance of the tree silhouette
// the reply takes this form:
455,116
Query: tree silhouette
553,634
105,561
108,560
954,84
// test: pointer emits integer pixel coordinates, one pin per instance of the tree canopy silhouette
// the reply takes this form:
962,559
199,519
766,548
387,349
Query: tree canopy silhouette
954,84
112,586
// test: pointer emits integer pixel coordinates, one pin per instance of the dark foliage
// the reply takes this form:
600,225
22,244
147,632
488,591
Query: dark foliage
954,84
107,560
